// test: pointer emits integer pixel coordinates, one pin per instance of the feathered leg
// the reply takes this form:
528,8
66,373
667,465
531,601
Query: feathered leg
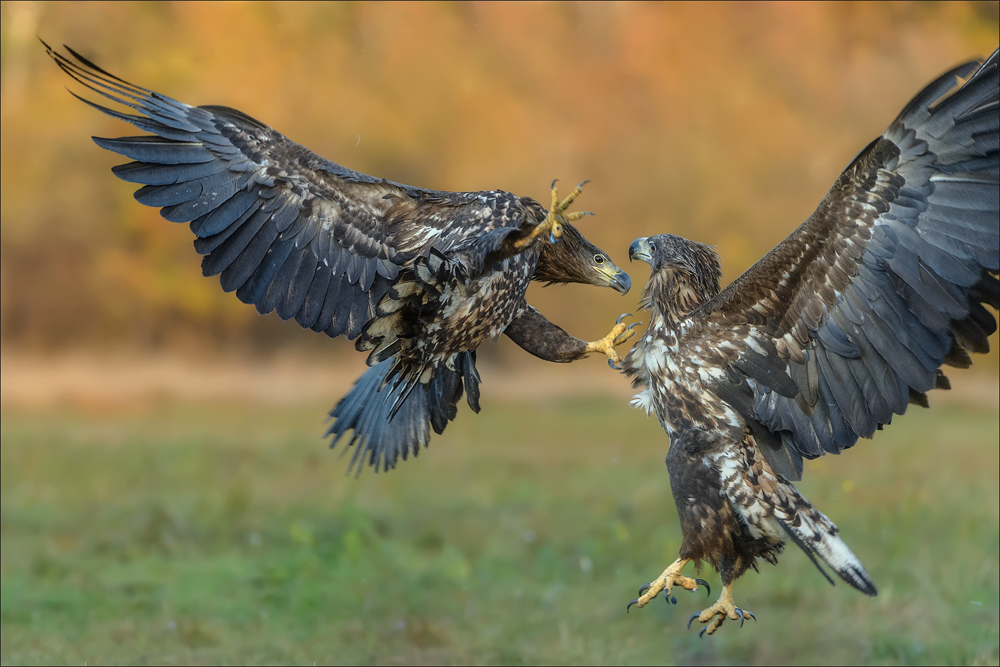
710,525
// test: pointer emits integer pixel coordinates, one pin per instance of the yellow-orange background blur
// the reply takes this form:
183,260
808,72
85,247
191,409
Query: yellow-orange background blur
723,122
167,496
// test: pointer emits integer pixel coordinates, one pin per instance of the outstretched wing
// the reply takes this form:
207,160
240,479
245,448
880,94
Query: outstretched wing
287,230
850,318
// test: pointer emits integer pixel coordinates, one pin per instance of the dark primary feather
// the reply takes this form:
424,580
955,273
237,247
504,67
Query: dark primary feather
837,329
884,283
422,276
286,229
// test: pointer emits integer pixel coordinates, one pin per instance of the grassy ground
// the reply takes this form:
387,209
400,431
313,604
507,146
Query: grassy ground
223,533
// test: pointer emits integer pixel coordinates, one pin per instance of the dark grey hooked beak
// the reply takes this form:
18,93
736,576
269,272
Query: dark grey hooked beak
640,250
613,277
622,283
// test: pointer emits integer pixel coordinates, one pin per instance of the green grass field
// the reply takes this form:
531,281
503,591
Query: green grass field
225,533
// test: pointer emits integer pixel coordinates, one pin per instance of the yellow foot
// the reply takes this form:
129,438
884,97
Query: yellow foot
619,334
720,611
556,218
665,582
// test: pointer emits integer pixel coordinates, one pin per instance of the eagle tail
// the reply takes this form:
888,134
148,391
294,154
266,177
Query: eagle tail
390,420
816,535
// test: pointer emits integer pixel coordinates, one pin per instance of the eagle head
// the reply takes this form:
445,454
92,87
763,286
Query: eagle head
574,259
684,273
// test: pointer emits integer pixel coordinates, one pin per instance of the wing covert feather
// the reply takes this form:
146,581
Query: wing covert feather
883,283
270,215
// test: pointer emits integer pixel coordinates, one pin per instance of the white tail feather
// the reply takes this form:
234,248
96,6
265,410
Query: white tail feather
818,536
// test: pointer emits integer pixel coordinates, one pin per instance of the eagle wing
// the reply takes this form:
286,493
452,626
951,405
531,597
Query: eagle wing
288,230
850,318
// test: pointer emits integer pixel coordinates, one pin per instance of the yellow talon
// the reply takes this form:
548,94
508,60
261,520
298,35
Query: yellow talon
618,335
717,614
556,217
714,616
665,582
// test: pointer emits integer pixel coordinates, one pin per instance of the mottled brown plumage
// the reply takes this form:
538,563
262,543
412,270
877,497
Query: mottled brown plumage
420,277
822,341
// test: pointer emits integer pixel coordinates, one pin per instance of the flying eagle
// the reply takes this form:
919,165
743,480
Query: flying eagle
821,342
420,277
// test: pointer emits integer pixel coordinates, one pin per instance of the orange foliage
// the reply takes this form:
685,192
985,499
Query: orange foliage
723,122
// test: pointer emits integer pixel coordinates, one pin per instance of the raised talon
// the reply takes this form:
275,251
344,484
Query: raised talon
644,588
691,620
622,317
629,606
702,582
552,226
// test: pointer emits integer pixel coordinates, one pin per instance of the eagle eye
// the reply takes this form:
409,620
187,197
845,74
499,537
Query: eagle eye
652,246
599,259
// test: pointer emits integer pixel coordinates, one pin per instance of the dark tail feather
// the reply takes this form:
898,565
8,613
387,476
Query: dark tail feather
819,537
391,420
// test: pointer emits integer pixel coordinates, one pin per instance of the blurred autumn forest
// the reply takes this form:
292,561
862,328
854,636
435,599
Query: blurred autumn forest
723,122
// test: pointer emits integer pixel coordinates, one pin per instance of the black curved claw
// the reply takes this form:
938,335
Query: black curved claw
554,181
693,616
673,600
611,363
553,238
633,326
739,612
702,582
627,608
583,183
702,633
622,317
750,614
644,588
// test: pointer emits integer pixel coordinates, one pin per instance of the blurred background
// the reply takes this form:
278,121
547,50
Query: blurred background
166,496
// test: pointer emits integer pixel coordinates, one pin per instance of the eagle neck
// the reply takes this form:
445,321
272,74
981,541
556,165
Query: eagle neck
672,296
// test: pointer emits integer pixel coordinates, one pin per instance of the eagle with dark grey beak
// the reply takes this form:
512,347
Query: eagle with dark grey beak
420,277
841,326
